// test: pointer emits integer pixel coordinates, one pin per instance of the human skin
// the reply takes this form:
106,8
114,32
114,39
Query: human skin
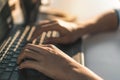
70,31
54,63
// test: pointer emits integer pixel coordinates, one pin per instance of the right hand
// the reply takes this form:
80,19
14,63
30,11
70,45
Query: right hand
49,60
54,63
66,31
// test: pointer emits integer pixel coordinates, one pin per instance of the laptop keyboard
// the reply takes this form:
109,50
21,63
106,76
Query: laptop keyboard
12,46
9,52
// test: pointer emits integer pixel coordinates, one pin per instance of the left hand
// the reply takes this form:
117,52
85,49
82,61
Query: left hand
66,30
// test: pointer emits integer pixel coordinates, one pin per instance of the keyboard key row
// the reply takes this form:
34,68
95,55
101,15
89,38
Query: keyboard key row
5,76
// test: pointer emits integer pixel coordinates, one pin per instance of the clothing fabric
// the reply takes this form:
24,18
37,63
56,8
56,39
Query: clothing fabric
118,14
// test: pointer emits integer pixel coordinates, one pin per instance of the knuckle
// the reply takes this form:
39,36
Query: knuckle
28,62
51,45
29,44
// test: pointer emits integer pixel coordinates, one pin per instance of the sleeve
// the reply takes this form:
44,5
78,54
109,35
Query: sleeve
118,14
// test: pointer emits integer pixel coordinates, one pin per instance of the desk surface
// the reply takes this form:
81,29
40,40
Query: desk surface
102,55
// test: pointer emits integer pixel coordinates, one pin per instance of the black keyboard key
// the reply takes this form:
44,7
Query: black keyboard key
3,51
22,45
16,40
15,76
16,69
15,43
1,54
13,60
5,61
18,52
5,76
11,50
9,69
3,65
8,57
1,71
15,55
11,64
10,53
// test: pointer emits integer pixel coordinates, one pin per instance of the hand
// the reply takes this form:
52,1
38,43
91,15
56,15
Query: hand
66,31
54,63
48,60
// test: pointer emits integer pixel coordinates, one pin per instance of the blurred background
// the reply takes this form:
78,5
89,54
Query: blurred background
85,9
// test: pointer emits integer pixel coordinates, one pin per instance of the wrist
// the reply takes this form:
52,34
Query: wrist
83,29
79,72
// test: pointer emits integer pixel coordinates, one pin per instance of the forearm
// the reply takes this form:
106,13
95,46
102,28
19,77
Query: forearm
105,22
79,72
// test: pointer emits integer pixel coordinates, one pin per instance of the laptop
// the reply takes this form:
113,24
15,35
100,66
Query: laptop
12,42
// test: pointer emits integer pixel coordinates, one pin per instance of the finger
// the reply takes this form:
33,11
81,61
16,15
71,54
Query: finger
51,27
36,33
58,40
31,65
47,28
49,45
28,54
45,22
22,56
36,48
